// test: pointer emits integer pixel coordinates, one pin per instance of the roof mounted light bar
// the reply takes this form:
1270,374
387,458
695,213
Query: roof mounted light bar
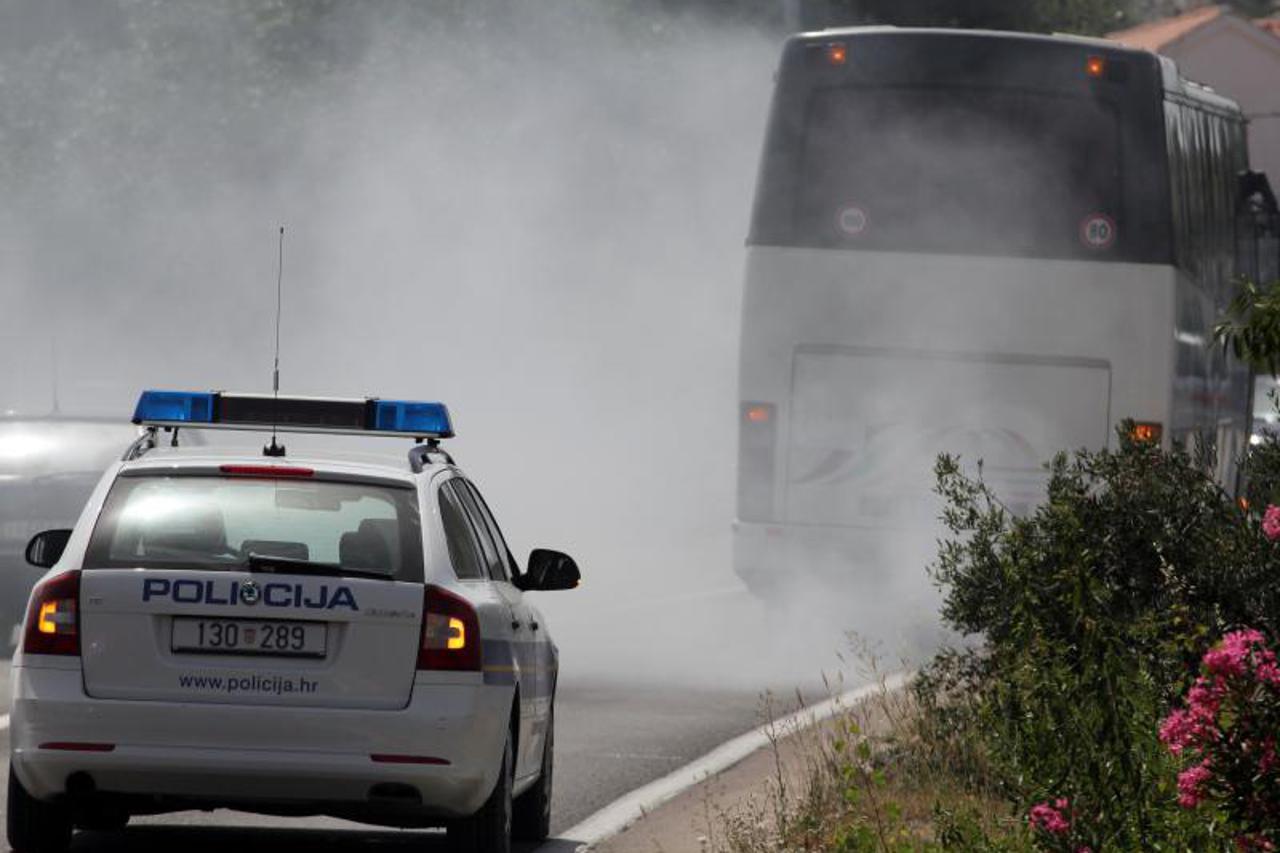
263,412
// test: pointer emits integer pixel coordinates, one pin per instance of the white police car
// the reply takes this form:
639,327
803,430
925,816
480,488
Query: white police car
320,634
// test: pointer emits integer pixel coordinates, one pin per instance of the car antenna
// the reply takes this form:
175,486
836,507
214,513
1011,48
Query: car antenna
53,361
274,448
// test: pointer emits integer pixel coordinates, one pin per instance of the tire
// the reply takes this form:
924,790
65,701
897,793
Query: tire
489,829
103,820
531,820
35,826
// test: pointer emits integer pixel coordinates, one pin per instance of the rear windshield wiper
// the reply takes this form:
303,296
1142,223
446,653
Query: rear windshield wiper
272,563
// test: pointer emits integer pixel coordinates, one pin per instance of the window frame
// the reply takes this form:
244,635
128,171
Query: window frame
500,540
447,493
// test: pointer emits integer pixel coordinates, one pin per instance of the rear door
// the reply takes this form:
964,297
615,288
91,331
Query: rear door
867,425
256,589
524,628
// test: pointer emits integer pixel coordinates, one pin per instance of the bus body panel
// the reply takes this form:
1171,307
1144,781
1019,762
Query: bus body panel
873,363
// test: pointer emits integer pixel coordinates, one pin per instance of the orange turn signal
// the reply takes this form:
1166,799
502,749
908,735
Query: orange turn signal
1095,66
1147,432
837,54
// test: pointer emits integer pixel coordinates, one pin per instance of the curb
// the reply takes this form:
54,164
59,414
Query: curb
629,808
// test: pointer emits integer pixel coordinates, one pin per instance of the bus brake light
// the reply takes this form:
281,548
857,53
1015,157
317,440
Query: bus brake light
1146,432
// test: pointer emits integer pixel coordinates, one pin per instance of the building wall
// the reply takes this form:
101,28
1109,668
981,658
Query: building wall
1242,62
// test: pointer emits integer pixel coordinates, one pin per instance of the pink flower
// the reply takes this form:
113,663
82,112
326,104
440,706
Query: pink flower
1191,784
1229,657
1271,522
1177,730
1050,818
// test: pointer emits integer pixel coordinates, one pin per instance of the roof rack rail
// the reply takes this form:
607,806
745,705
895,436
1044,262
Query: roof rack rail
145,441
420,455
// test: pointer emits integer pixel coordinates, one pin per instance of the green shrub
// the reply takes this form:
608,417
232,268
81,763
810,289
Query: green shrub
1091,614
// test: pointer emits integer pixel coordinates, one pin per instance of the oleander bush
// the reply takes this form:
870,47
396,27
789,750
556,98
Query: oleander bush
1091,616
1117,687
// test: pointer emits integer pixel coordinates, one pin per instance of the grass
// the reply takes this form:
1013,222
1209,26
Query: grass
882,775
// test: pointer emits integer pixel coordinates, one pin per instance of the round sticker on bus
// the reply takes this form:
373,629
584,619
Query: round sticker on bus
1098,231
852,220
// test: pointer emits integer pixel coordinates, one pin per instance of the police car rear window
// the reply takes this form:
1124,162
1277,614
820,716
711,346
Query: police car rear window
232,523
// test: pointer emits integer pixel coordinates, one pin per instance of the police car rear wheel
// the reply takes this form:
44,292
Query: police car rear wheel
488,830
35,826
532,819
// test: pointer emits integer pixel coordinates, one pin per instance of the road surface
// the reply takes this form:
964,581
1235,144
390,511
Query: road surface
610,739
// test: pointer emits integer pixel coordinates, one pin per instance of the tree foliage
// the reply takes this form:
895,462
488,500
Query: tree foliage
1080,16
1250,329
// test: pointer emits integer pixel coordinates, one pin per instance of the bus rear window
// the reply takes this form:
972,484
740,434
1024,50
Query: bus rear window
972,171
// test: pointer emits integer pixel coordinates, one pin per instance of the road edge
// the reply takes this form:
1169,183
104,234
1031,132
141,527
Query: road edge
631,807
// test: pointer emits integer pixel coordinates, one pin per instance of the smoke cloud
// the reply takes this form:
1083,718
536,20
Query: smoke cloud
532,211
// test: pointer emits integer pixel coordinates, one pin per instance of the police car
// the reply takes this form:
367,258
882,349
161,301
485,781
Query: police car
312,634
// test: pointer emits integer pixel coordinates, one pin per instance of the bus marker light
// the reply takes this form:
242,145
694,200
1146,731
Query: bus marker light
1146,432
1095,66
758,414
837,54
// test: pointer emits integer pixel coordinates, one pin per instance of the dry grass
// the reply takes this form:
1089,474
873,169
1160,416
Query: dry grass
879,776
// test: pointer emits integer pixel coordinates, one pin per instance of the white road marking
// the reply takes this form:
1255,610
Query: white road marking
629,808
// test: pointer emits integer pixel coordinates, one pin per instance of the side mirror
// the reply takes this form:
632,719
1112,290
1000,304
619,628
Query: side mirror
46,548
550,570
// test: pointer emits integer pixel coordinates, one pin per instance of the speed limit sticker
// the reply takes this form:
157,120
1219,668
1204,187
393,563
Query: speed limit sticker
1098,231
852,220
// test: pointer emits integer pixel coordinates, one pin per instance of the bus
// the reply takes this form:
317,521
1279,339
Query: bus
996,245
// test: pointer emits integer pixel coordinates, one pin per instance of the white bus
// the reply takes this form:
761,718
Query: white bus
991,244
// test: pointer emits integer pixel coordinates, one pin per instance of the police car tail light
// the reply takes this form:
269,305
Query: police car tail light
450,632
53,620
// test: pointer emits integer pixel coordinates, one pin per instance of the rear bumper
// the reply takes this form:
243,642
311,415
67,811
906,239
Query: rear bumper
284,758
773,557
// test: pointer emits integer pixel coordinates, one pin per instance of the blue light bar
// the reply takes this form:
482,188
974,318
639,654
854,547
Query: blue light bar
174,407
368,416
407,416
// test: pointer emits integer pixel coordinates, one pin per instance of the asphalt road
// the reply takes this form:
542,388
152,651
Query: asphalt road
610,739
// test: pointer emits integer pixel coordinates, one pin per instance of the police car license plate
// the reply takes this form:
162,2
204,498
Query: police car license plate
249,637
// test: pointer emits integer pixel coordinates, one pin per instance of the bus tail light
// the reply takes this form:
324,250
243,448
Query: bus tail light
757,447
53,619
1146,432
450,638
